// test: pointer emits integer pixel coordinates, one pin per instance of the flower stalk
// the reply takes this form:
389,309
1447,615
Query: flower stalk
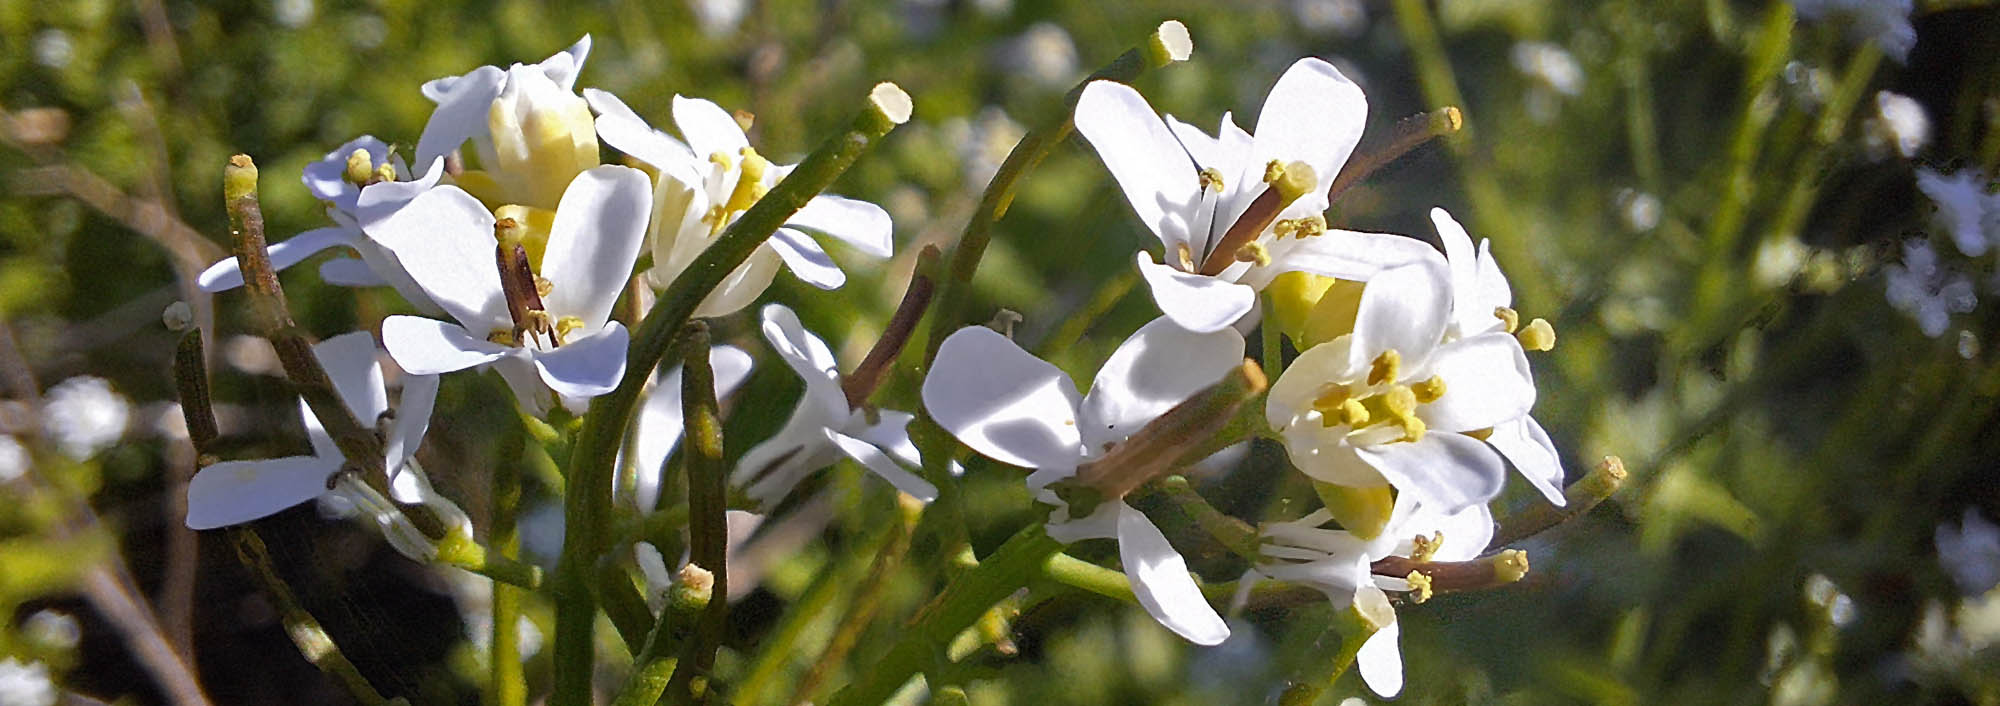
1579,498
305,631
708,529
1408,134
868,374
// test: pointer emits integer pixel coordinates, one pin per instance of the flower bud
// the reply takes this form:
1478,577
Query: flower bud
543,136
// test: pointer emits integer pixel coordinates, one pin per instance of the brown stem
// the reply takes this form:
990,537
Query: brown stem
1487,572
1579,498
1409,133
916,299
1159,447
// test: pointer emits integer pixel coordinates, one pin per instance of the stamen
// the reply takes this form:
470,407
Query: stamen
1430,390
517,284
750,184
543,286
1186,258
1511,565
1420,586
1509,317
1424,548
1354,414
503,337
360,167
1254,251
1480,434
1538,336
1211,180
1287,183
1386,368
1273,171
721,159
1300,228
383,173
565,325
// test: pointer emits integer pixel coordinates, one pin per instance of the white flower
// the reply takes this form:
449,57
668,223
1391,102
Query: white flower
1380,405
14,459
84,415
1550,64
1903,120
1927,290
823,428
1337,563
1965,209
1886,22
1019,410
25,684
545,316
1479,295
1970,552
361,182
705,184
530,131
234,492
1237,210
658,429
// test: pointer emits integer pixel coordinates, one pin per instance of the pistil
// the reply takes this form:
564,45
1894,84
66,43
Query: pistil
1287,182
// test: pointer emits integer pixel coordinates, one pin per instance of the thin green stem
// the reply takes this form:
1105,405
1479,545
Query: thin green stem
1272,340
1579,498
653,665
1332,654
587,504
861,609
306,633
1108,295
508,683
708,529
775,652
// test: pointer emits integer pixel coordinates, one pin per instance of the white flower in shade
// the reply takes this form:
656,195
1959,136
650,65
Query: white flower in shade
709,181
1970,552
1236,210
25,684
1903,122
14,458
1337,562
823,428
1549,64
658,429
1481,304
531,300
84,415
1382,404
234,492
1886,22
1965,209
361,182
1019,410
1927,290
530,131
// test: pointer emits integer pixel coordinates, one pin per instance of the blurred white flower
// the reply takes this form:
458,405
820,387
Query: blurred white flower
292,14
659,427
1970,552
1043,53
84,415
1640,210
53,48
14,458
982,143
1549,64
1342,17
1927,290
1886,22
25,684
719,17
1902,122
54,629
1966,210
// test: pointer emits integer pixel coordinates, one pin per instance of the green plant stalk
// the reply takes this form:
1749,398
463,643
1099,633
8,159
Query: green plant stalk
1272,340
1108,295
967,598
508,682
1331,655
1833,121
458,550
866,601
1234,534
306,633
653,665
775,651
587,508
708,529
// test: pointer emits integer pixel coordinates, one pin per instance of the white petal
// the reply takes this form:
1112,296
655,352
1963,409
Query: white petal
708,128
883,466
1486,382
225,275
1161,581
327,178
806,260
598,228
428,347
625,131
525,381
1492,285
1313,114
655,435
349,360
1447,471
1528,447
859,223
444,240
586,367
461,113
1158,367
890,432
413,418
1464,264
349,272
1380,661
563,67
743,285
382,199
1292,395
1011,406
234,492
730,366
823,404
1202,147
1197,302
1152,168
1402,309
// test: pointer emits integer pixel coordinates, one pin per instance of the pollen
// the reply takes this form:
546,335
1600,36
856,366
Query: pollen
1430,390
1300,228
1211,180
1420,586
1425,548
721,159
1186,257
1273,171
503,337
565,325
1538,335
360,168
1254,252
1509,317
1386,368
543,286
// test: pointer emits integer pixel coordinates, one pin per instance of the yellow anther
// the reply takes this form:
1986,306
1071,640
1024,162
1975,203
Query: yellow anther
1509,566
1429,391
750,184
383,173
1414,428
1273,171
1424,548
1300,228
1186,255
1254,252
1420,586
1353,413
1480,434
1509,317
721,159
503,337
360,167
543,286
1211,180
1296,180
1386,368
1538,335
565,325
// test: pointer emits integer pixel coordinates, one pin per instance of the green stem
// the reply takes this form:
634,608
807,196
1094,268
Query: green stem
862,607
1578,498
1009,568
1234,534
775,651
1271,339
1333,653
1108,295
653,665
306,633
461,551
508,685
587,512
708,529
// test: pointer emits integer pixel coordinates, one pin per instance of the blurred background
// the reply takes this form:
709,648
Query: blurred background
1760,230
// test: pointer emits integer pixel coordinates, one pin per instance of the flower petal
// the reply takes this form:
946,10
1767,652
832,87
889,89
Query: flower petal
806,260
655,436
461,113
563,66
1445,471
1380,661
1486,382
327,178
423,346
1158,367
873,458
823,404
1528,447
350,272
1402,309
413,418
708,128
1196,302
598,228
349,360
1152,168
1161,581
890,432
1315,115
859,223
743,285
1011,406
586,367
444,240
382,199
234,492
625,131
224,275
